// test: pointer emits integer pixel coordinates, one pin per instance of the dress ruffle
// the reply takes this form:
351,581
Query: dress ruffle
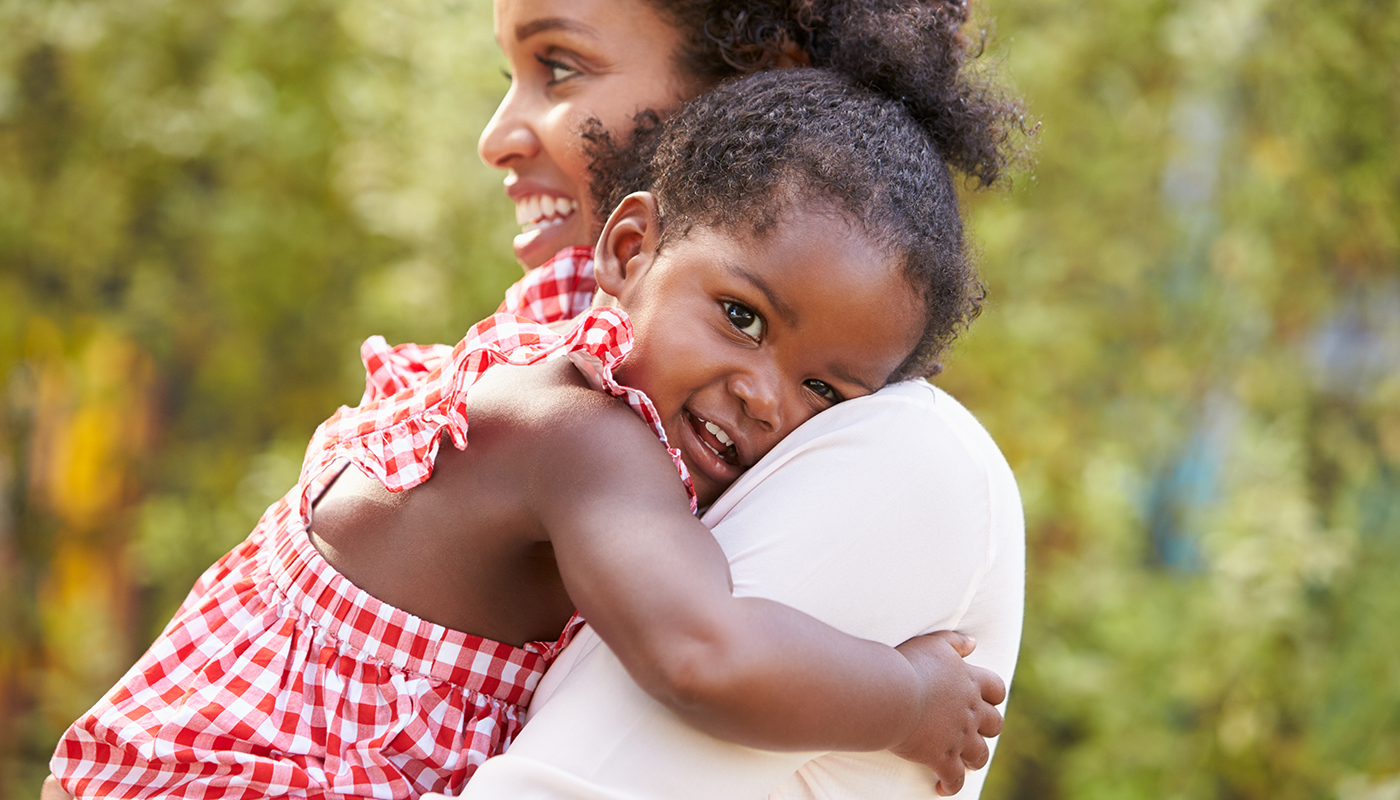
395,436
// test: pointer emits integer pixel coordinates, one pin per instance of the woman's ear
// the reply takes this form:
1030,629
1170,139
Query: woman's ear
628,243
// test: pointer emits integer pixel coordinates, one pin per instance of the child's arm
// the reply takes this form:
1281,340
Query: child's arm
655,585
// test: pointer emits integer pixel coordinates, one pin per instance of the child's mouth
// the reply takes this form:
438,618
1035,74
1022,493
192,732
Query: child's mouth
715,439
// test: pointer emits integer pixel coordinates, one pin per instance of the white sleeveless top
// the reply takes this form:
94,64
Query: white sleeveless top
886,516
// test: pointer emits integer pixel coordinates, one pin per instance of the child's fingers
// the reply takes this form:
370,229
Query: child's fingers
950,780
992,686
976,754
991,723
961,643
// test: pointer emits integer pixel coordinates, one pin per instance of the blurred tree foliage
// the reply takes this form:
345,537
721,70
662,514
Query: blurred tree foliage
204,207
1192,359
1191,355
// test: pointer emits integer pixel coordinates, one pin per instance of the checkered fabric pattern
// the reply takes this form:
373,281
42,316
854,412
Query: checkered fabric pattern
395,438
279,677
560,289
285,679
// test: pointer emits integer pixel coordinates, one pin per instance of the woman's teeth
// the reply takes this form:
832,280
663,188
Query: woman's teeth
537,211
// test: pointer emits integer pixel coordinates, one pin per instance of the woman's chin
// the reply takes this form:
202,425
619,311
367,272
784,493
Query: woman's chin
534,247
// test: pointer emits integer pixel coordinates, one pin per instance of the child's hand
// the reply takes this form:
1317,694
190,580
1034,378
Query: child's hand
958,708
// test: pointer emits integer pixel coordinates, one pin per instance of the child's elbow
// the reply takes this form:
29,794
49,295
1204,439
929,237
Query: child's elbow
699,677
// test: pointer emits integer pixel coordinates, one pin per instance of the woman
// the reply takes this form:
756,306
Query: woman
915,524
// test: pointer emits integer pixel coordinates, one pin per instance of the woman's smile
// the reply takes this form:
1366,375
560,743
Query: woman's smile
549,221
542,210
571,61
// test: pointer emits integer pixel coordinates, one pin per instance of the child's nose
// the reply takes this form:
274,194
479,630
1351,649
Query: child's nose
761,399
508,135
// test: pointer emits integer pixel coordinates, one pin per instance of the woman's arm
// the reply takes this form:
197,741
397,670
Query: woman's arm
887,516
655,585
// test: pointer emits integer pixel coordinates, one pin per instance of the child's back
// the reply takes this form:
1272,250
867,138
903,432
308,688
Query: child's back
464,549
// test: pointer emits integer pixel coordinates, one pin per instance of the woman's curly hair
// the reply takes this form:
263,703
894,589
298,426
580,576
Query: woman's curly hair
913,49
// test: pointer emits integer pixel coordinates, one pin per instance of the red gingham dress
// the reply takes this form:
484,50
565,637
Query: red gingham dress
279,677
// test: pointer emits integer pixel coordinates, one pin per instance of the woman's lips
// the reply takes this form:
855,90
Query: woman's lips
544,220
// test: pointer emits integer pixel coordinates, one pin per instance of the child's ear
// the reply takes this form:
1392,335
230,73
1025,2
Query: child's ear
628,244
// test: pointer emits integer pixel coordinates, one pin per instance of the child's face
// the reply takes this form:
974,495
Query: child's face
741,339
571,60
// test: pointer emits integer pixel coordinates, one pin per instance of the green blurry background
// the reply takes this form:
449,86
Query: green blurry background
1191,354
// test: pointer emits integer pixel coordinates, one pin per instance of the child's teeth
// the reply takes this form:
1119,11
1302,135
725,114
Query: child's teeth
719,434
547,205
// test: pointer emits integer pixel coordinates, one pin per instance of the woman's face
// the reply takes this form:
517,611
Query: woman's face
571,60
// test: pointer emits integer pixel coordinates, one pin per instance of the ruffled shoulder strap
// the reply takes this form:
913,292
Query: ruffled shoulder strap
390,370
396,437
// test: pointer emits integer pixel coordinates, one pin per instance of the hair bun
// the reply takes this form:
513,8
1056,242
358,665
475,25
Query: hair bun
915,51
956,11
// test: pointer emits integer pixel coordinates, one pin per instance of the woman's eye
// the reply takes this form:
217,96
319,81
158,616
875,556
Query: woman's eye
822,389
744,319
557,71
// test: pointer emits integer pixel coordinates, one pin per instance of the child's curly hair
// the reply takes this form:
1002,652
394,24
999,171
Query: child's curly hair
750,151
889,106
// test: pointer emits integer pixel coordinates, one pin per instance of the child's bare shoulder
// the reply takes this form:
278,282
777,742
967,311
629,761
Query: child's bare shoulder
548,411
571,453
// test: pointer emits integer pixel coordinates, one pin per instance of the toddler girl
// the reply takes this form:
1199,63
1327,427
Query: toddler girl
801,246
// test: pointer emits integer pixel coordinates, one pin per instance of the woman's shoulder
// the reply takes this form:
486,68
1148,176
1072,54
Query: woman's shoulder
885,514
896,464
912,421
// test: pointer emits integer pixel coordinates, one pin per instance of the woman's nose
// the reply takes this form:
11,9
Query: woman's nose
508,136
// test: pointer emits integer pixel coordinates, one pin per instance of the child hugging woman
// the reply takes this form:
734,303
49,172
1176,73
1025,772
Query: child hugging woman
381,629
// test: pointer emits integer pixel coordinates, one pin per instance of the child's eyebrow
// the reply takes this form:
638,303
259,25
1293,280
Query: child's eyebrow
784,310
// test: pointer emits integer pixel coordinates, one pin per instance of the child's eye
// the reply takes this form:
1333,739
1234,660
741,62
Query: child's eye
744,319
557,71
822,389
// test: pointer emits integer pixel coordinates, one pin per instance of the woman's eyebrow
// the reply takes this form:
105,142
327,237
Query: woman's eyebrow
525,30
